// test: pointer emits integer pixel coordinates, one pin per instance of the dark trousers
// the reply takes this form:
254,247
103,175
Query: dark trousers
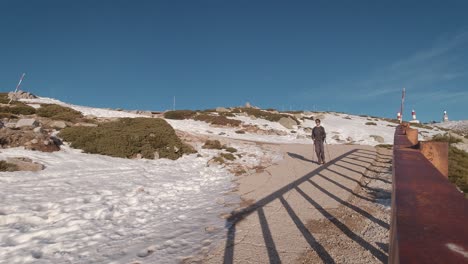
319,150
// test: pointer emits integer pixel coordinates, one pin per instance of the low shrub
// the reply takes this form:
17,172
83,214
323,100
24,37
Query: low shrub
371,124
240,132
421,126
458,163
458,168
18,109
227,114
230,149
180,114
446,138
217,120
8,115
4,98
273,117
219,160
128,137
58,112
228,156
212,144
5,166
466,136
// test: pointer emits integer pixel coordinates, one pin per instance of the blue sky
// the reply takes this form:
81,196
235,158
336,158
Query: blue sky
351,56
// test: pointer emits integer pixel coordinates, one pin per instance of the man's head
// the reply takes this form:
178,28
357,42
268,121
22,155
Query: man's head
317,122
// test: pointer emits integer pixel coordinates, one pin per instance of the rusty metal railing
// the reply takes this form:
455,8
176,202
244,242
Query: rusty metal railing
429,215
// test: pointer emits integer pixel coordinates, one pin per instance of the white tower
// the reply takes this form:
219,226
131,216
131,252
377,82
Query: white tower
413,113
445,116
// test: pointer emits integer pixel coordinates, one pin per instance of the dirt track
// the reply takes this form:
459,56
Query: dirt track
300,212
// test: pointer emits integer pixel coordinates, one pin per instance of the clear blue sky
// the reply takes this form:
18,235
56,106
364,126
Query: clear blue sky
352,56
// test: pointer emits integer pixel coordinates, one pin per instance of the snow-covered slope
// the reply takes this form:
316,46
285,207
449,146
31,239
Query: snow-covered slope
98,112
457,126
87,208
341,128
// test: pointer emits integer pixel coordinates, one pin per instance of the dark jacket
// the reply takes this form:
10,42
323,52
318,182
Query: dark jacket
318,133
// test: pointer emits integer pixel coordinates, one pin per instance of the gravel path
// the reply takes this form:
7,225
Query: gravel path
300,212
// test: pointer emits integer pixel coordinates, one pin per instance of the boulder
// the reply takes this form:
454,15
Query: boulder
10,125
287,122
222,110
21,95
58,124
27,122
25,164
38,130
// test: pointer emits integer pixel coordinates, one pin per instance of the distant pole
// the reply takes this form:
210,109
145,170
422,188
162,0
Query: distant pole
173,105
402,104
17,86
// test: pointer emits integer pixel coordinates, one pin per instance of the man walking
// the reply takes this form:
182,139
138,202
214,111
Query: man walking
318,136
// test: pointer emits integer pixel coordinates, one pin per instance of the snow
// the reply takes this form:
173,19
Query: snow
460,126
338,127
86,208
98,112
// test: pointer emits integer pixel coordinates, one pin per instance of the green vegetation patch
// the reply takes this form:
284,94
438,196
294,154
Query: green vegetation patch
58,112
215,144
371,124
212,144
446,138
16,107
128,137
230,149
421,126
458,163
458,168
228,156
217,120
180,114
273,117
8,115
5,166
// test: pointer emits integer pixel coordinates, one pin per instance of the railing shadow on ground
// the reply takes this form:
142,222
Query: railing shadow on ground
278,195
297,156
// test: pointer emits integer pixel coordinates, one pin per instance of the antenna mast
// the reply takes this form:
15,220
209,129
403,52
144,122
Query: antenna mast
402,104
17,87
